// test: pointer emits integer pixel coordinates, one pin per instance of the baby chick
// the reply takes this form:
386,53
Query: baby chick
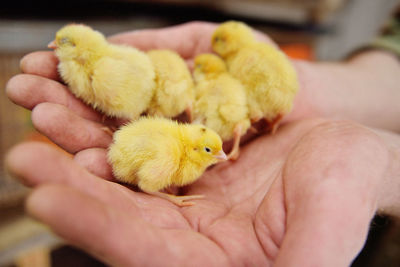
117,80
155,153
266,73
220,100
174,85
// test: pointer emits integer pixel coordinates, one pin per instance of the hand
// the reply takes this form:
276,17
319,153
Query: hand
276,204
303,197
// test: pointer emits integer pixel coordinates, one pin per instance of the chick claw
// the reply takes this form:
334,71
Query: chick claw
274,124
108,130
181,201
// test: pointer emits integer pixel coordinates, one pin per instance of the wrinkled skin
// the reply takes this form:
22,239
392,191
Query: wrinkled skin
302,197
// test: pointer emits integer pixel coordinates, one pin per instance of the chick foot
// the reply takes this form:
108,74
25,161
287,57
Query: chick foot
273,125
255,119
253,130
109,130
181,201
234,154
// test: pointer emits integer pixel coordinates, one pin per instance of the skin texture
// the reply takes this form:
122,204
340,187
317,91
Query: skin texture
302,197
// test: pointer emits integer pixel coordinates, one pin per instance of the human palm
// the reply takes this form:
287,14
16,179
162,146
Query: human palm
293,198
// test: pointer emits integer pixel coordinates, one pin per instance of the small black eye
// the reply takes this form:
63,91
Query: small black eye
207,149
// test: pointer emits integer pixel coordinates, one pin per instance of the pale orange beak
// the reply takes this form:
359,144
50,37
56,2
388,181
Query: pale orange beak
52,45
221,156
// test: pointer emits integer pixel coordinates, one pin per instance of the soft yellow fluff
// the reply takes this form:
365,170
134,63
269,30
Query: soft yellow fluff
155,153
220,100
266,73
174,84
117,80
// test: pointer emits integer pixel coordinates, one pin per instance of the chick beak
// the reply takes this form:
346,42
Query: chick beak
221,156
52,45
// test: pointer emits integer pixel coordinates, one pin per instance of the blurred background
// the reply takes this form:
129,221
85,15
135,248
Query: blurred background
305,29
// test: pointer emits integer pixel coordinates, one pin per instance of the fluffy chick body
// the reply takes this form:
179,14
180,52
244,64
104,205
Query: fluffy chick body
117,80
266,73
155,153
220,100
174,84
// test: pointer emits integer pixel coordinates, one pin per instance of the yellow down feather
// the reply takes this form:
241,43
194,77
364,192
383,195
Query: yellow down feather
220,99
266,73
155,153
117,80
174,84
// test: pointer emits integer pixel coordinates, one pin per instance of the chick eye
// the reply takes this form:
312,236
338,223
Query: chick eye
66,40
208,150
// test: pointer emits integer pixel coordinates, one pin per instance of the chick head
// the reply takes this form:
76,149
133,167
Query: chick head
77,42
230,36
207,66
206,145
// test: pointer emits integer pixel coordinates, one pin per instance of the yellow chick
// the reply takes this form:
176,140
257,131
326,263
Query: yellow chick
220,100
117,80
266,73
174,85
155,153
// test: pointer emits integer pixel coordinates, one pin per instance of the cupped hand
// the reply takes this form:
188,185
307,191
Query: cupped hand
300,197
303,197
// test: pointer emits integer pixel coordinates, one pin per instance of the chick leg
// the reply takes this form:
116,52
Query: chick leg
108,129
180,201
234,154
253,130
273,125
255,119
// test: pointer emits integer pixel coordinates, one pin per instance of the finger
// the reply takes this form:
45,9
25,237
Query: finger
29,90
68,130
95,161
119,239
35,164
186,39
41,63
